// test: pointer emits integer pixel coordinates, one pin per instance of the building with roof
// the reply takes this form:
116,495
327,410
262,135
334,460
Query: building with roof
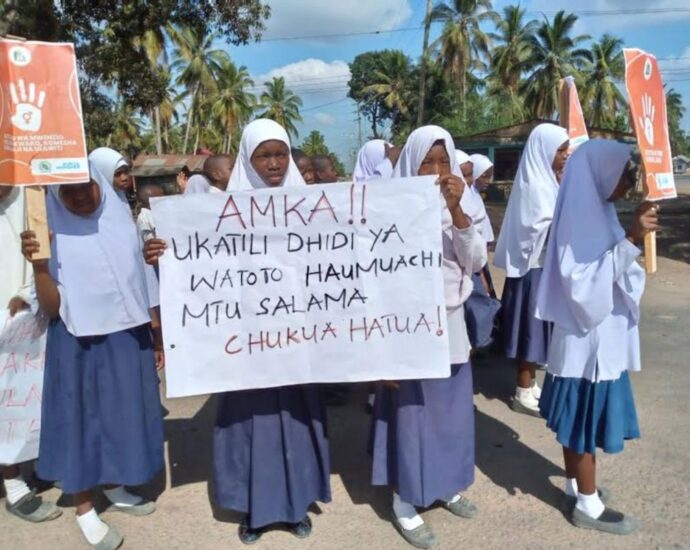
163,169
681,164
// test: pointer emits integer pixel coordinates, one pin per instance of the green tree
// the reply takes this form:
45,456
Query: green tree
127,130
602,98
463,45
363,69
198,62
555,53
315,144
392,86
509,58
279,103
233,104
675,110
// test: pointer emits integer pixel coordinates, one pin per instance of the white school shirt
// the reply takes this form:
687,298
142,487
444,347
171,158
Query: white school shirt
464,253
613,346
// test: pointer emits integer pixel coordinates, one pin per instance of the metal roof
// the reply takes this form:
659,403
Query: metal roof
148,166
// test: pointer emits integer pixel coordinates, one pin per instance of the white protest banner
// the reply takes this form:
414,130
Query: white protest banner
327,283
22,354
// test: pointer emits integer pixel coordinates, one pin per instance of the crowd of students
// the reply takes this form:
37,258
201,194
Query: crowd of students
570,302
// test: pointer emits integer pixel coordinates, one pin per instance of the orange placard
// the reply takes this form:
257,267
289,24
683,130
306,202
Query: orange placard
570,111
40,115
648,110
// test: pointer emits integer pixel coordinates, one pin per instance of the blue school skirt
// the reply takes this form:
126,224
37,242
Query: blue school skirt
524,336
423,437
480,312
585,415
270,453
101,417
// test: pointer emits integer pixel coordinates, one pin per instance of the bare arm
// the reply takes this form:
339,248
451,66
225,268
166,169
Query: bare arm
46,289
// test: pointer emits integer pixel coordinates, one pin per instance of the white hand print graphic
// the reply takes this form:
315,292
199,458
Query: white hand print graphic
27,114
647,120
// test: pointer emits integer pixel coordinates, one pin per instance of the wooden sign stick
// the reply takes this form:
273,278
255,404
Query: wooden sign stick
650,252
37,219
649,238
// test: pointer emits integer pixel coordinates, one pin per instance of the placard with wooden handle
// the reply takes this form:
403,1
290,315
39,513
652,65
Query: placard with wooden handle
37,219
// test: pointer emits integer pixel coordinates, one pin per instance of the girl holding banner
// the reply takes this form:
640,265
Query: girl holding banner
520,252
423,430
590,290
102,416
270,451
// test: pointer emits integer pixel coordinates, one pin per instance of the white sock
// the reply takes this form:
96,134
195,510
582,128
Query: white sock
407,515
571,487
524,394
121,497
16,489
453,499
93,528
590,504
536,389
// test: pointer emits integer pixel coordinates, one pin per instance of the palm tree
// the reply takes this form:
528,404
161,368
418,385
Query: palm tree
315,144
232,104
281,104
127,129
510,57
393,86
675,110
555,54
463,45
197,63
602,97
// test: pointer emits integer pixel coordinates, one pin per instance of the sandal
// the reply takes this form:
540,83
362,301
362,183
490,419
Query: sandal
32,508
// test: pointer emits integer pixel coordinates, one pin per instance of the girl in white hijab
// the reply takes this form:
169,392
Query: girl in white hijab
115,169
270,452
372,161
101,421
520,252
590,290
423,430
482,172
198,183
482,307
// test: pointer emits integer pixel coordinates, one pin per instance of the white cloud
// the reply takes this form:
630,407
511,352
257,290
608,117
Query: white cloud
325,119
318,17
313,78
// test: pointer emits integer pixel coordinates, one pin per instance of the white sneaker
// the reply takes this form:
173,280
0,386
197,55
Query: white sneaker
524,402
536,390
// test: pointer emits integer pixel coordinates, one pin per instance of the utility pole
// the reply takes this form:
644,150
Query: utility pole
422,72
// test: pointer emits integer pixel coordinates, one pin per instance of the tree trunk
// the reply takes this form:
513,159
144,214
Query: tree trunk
374,129
190,116
422,72
157,124
196,141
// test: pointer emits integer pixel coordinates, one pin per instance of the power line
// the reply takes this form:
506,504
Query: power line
324,105
579,13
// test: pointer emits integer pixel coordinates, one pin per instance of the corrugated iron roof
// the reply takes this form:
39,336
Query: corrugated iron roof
166,165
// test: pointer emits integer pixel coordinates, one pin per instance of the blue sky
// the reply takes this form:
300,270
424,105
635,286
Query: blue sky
316,68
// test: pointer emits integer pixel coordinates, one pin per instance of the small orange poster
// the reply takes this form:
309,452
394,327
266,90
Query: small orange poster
571,116
40,115
648,111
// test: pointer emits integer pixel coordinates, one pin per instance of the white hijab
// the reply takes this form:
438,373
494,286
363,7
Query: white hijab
97,264
197,184
473,205
107,161
480,164
369,159
531,203
577,286
255,133
16,271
